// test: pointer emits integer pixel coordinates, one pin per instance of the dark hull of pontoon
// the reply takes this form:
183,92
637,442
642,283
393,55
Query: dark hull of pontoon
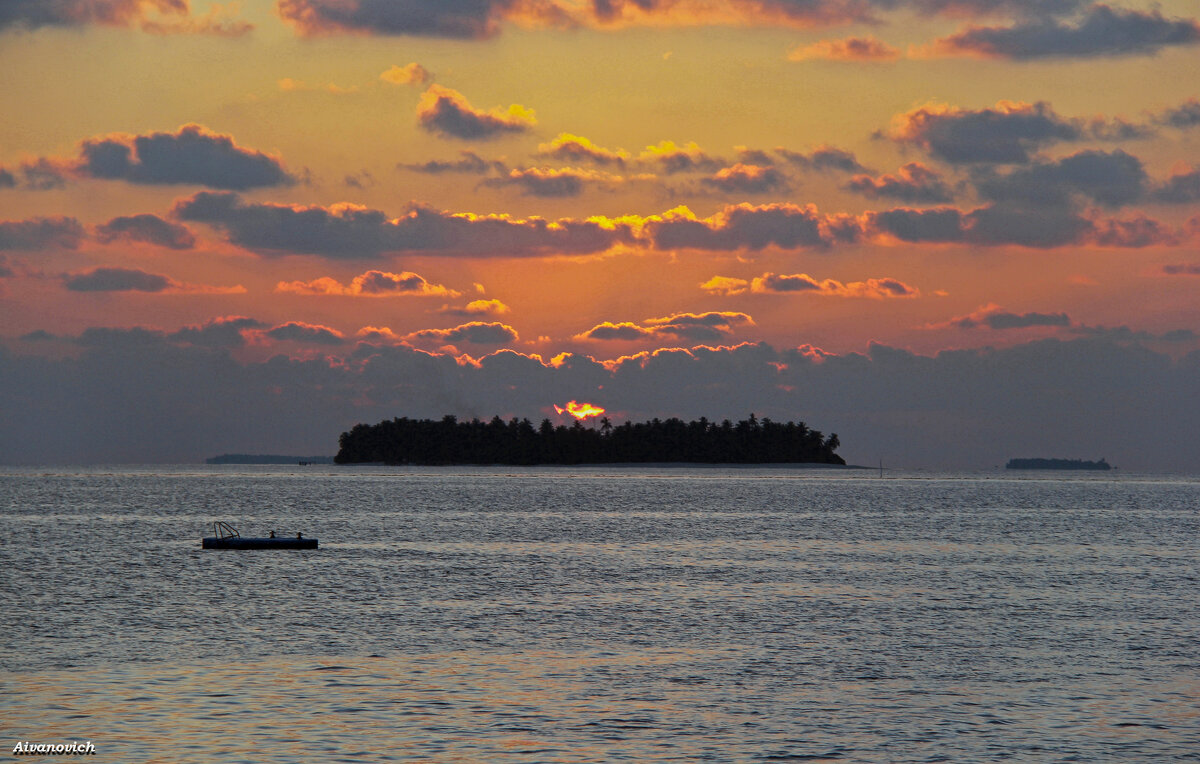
238,542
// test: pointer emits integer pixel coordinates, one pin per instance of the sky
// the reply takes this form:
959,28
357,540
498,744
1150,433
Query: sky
953,232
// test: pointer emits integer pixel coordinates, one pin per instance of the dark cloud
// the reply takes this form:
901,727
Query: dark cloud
1133,233
193,155
713,326
745,226
1000,320
624,331
41,174
1124,334
944,224
1182,269
575,148
469,162
146,228
1181,188
1103,32
369,284
1040,228
1006,134
1184,116
172,16
31,14
116,280
671,158
482,19
298,331
447,112
135,396
347,231
747,179
474,332
223,332
779,283
1018,224
466,19
40,233
545,182
914,183
823,159
1111,179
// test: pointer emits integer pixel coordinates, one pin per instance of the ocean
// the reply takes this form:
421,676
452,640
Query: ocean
602,614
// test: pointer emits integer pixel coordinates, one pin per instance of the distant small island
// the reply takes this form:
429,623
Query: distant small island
1056,464
448,441
267,459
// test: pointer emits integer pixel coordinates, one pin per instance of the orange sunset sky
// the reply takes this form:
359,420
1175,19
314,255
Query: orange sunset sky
951,231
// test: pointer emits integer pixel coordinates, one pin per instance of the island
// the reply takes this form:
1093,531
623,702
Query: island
1056,464
518,442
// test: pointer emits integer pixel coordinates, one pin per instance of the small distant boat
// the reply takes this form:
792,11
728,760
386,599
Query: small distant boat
225,536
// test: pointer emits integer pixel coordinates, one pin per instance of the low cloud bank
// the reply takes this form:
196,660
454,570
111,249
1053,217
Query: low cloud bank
137,395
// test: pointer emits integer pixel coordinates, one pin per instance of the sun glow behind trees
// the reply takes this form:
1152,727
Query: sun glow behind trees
580,411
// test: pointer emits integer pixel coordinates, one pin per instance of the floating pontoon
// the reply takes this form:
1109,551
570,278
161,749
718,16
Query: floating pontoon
225,536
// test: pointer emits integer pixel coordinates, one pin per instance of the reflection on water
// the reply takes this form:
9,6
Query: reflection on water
556,615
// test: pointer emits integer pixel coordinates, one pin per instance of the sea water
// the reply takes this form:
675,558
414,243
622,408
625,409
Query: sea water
601,614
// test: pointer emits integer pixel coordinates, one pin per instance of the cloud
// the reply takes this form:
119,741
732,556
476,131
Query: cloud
1041,228
466,19
914,183
446,112
1182,269
745,226
352,231
712,326
134,280
823,159
1180,188
410,74
40,233
550,182
153,16
193,155
221,332
1103,32
954,409
313,334
483,19
477,308
575,148
802,283
747,179
1112,179
42,174
1016,224
1137,232
673,158
469,162
849,49
146,228
474,332
369,284
943,224
1184,116
996,318
1006,134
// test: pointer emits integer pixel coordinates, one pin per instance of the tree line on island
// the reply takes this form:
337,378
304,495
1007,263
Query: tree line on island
449,441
